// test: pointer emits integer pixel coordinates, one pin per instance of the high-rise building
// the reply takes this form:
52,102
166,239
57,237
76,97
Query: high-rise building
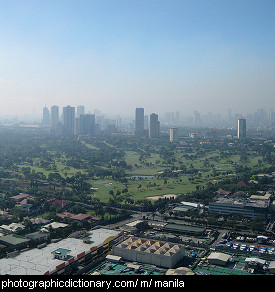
54,116
139,122
154,127
146,122
241,128
87,124
80,110
173,134
46,116
68,120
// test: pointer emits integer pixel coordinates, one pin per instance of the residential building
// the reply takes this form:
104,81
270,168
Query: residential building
87,124
46,117
54,117
80,110
241,128
139,122
68,121
154,127
174,134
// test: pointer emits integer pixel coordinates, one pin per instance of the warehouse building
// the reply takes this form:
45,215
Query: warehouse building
218,258
62,256
154,252
184,229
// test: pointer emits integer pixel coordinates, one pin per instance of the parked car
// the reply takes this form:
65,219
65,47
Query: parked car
252,248
240,238
229,244
243,247
263,249
235,246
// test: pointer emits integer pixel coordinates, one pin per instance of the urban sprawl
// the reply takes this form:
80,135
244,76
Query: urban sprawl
83,194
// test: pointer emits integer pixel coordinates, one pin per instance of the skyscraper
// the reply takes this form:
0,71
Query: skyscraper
139,122
80,110
68,120
154,126
87,124
46,116
241,128
173,134
54,116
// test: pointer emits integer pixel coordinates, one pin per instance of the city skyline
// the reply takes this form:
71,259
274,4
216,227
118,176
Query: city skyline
75,121
157,54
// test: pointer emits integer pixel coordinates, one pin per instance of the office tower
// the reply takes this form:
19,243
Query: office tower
146,122
139,122
80,110
68,120
87,124
54,116
46,116
173,134
241,128
154,126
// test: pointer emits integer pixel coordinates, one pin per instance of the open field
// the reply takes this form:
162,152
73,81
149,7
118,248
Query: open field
148,186
142,181
139,169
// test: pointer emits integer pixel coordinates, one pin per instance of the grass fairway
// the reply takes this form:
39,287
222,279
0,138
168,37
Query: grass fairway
210,166
144,187
141,188
150,168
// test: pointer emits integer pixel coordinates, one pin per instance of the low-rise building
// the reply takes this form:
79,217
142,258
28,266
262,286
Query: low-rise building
153,252
59,257
218,258
14,240
38,236
13,227
245,207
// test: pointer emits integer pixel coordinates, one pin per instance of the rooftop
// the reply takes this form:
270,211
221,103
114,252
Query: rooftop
108,267
38,261
13,239
20,196
242,201
150,246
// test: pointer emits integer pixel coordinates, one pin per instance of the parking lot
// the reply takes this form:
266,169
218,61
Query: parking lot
259,245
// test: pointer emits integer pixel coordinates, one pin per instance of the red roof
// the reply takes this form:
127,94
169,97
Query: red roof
223,192
80,217
24,201
65,215
60,203
241,183
96,218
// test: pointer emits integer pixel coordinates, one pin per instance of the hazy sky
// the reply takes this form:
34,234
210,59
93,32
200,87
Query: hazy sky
116,55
